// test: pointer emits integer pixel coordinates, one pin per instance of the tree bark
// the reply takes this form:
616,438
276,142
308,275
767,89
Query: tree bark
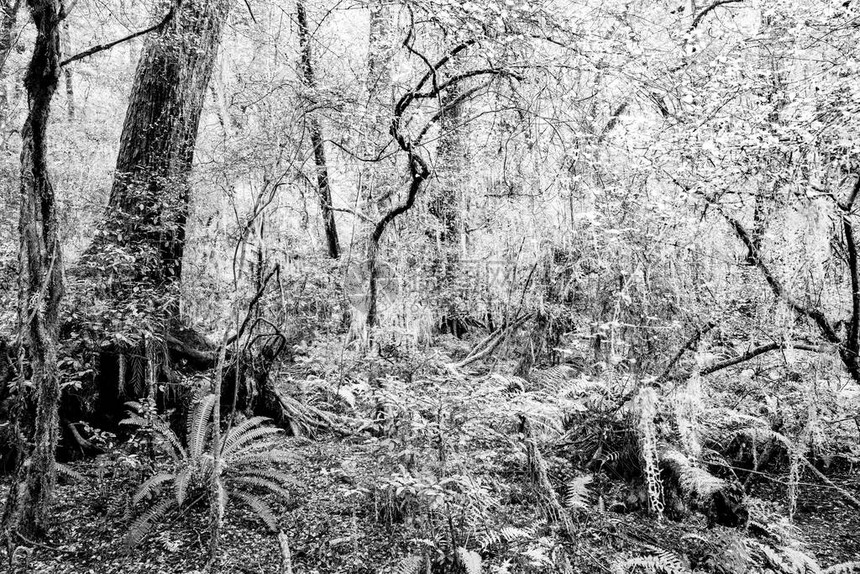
67,73
445,206
41,288
149,199
9,18
315,130
374,172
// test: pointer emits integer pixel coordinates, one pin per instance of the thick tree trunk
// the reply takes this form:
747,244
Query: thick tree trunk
149,199
315,129
27,508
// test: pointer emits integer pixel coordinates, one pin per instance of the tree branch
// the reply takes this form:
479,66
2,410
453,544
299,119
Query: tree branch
755,352
693,340
778,288
698,19
102,47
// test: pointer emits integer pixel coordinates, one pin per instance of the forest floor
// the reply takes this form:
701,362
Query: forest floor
336,526
449,467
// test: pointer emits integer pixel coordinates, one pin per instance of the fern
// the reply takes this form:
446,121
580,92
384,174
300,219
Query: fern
576,495
506,534
141,527
249,436
199,426
409,565
262,483
470,560
237,431
242,472
261,508
844,568
662,561
146,488
68,472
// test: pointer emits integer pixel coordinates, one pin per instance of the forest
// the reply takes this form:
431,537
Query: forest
429,286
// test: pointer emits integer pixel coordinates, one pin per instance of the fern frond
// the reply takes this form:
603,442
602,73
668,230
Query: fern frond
199,425
470,560
263,483
409,565
576,495
162,429
665,562
240,442
261,508
844,568
141,527
279,476
65,470
268,456
183,477
237,431
801,562
148,485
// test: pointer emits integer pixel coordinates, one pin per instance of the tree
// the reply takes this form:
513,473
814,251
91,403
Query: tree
27,509
149,200
316,136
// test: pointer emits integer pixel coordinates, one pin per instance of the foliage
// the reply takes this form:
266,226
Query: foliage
249,452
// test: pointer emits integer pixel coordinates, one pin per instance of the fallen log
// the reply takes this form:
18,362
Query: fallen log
721,501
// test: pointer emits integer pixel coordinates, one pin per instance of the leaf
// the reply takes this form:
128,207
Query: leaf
149,485
199,425
261,508
141,527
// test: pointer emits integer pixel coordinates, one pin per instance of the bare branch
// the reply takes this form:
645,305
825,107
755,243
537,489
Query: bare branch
778,288
755,352
691,342
102,47
698,19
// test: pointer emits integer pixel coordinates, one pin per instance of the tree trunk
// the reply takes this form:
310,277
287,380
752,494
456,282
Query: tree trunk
445,206
315,129
374,172
67,73
149,199
27,508
9,17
